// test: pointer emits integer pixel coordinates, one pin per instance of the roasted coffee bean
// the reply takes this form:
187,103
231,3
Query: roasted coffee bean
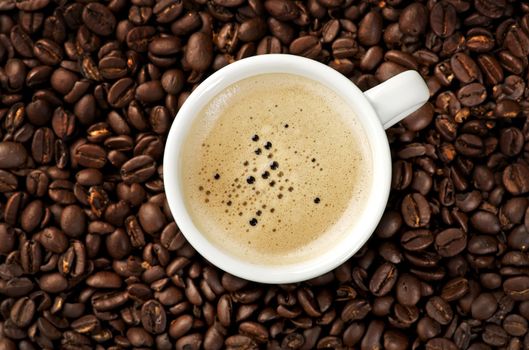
491,68
12,155
8,5
511,141
416,239
372,58
32,5
32,215
163,49
167,11
464,68
484,306
8,182
160,119
13,207
39,112
53,240
15,72
515,325
415,210
408,290
450,242
90,156
138,169
419,119
269,44
439,310
469,145
137,336
440,343
153,317
413,19
472,94
329,30
395,340
199,51
507,109
85,109
308,46
252,29
172,81
30,257
138,38
135,232
86,324
383,279
402,175
136,117
22,312
21,41
389,224
283,10
344,48
42,146
73,221
111,67
443,19
373,336
48,52
370,29
149,92
99,19
104,279
355,310
494,335
517,288
63,123
455,289
16,286
53,282
492,9
121,92
428,328
63,80
254,330
515,178
388,70
517,41
186,24
485,222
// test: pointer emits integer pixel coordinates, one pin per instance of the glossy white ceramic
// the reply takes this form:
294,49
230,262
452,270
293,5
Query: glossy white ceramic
377,109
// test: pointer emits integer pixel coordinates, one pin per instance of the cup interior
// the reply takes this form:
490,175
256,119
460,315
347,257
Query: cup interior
363,226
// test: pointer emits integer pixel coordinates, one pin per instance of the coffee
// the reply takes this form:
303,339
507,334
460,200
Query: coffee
275,169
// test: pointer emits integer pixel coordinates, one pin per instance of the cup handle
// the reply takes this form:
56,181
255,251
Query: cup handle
398,97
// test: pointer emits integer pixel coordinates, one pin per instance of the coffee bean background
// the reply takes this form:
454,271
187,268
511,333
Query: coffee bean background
90,257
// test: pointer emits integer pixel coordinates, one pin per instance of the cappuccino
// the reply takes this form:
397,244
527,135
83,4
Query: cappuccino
275,169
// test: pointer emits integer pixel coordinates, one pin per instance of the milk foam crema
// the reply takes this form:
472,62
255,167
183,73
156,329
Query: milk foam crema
275,169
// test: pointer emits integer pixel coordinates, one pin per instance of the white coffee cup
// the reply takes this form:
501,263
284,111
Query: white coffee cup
377,109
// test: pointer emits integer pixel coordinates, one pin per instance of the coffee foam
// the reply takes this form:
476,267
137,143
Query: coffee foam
274,168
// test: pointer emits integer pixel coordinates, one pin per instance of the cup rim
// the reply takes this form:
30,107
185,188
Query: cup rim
380,154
